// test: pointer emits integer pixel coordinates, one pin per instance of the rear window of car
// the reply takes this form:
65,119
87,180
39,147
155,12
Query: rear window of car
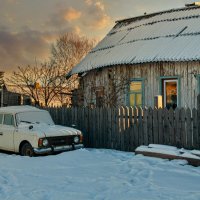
8,119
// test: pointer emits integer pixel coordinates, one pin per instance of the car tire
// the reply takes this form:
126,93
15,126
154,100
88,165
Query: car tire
27,150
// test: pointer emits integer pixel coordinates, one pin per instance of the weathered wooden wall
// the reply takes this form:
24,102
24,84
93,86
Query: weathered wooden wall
126,128
13,99
151,72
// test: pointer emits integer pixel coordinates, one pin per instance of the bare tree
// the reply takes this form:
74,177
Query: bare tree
116,86
109,95
68,51
25,80
36,82
48,81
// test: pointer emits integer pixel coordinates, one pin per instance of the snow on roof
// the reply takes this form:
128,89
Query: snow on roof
172,35
17,109
12,88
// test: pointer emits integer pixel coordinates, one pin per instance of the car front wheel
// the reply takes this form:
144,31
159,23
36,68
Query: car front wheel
27,150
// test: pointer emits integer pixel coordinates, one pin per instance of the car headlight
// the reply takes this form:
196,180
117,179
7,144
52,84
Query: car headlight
76,139
45,142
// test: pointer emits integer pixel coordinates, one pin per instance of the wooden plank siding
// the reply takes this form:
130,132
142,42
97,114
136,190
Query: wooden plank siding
126,128
110,78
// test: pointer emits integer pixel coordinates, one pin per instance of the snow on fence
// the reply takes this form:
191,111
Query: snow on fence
126,128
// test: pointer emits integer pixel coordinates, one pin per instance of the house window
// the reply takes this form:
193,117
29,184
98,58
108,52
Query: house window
171,93
170,90
136,93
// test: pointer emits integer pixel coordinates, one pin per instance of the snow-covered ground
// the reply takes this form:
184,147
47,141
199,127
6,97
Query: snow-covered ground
97,174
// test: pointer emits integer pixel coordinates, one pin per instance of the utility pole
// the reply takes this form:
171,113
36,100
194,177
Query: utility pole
1,86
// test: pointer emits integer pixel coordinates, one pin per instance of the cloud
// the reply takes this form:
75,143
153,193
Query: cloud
12,1
92,16
102,22
9,18
64,17
21,45
95,16
21,48
71,14
100,5
88,2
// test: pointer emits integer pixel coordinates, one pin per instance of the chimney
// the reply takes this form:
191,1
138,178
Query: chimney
195,4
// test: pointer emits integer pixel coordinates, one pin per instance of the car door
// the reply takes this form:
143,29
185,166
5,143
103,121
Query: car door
7,129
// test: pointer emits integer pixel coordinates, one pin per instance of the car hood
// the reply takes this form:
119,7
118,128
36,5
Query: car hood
57,130
52,130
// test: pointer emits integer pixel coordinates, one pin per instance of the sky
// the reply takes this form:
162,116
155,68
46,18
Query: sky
28,28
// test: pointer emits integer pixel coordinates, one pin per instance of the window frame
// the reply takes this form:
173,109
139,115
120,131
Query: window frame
198,83
129,91
14,122
1,122
161,87
164,89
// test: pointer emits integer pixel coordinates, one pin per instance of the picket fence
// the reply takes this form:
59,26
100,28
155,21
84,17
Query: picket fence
126,128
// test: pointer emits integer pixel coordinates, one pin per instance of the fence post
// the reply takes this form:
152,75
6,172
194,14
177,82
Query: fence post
166,126
109,128
183,130
189,129
131,118
195,128
155,126
127,129
140,126
135,128
145,126
171,127
150,125
117,122
160,126
198,118
122,128
177,128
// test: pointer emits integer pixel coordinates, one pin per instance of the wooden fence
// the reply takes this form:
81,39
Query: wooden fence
126,128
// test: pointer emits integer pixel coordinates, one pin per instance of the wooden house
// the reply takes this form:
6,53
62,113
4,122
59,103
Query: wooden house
11,97
149,60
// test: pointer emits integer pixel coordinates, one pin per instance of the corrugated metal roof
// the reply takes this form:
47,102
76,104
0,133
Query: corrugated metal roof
166,36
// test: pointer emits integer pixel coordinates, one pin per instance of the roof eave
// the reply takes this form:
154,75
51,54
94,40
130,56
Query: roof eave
154,14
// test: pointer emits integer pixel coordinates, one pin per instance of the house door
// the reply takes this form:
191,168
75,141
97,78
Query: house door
170,93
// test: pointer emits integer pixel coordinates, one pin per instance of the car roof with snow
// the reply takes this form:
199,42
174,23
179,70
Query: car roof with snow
18,109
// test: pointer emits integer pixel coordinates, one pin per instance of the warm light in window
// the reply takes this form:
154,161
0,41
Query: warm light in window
136,86
135,93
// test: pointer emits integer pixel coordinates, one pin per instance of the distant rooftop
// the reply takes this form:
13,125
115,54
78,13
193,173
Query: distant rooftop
172,35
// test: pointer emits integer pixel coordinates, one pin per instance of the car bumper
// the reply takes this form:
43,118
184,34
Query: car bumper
57,149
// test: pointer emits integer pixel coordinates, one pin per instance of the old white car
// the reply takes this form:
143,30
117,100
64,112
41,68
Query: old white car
28,130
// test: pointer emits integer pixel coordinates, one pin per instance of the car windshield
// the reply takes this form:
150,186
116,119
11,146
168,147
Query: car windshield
34,117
